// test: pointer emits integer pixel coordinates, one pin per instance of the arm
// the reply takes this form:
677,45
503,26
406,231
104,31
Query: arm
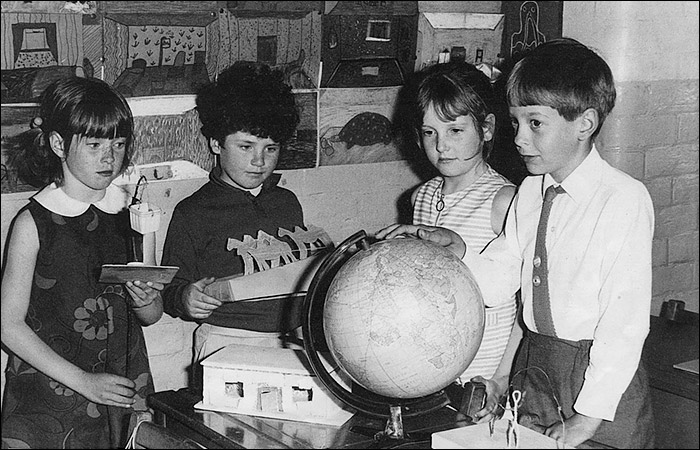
17,280
184,297
500,206
497,386
439,235
414,195
147,301
497,266
624,304
497,272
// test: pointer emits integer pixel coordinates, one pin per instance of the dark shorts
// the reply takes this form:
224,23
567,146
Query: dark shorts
565,363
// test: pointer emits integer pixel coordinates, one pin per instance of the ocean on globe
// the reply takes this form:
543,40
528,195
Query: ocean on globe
404,318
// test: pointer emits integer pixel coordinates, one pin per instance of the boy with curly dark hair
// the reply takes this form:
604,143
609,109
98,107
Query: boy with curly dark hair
248,114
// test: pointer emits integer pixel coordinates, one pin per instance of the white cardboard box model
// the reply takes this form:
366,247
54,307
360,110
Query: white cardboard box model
269,382
477,436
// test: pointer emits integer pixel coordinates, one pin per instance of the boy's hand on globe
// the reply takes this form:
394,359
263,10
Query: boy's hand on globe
396,230
441,236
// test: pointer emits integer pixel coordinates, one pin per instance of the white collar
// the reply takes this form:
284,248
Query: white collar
57,201
580,183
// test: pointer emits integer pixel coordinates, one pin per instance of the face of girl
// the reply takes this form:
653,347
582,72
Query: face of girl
455,147
246,160
94,162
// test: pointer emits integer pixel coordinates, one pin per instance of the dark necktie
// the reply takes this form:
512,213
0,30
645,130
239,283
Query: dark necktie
540,285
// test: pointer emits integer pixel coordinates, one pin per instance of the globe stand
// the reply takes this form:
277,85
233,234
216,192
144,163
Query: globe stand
394,426
374,405
393,435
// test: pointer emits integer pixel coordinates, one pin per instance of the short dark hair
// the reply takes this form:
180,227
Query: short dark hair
73,106
455,89
565,75
248,97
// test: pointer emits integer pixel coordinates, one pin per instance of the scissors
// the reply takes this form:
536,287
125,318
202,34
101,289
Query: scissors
512,432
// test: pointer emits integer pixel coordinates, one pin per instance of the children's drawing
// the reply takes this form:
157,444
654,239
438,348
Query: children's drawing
301,151
357,126
368,44
529,35
163,60
37,49
146,49
529,24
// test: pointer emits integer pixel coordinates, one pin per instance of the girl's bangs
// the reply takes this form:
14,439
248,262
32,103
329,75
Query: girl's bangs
103,120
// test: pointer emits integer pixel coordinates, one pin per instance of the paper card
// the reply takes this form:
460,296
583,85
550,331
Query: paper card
121,273
692,366
478,437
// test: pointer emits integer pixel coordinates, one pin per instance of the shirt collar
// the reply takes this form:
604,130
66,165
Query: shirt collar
579,185
57,201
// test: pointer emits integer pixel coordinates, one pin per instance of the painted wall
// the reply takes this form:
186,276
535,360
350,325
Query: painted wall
652,134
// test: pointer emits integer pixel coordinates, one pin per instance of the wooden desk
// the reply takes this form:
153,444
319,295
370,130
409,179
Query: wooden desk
674,394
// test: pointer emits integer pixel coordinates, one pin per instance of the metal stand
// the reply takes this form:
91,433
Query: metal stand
393,435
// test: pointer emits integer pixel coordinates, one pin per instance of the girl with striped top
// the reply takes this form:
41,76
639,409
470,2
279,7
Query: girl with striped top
456,125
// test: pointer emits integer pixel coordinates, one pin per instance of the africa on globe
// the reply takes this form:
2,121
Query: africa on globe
404,317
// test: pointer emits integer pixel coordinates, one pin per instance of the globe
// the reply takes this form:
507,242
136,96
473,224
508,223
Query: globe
403,318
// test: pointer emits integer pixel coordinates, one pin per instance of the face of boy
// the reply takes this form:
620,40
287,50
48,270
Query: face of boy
454,148
547,142
246,160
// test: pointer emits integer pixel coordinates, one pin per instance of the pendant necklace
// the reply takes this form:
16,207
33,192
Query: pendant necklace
440,205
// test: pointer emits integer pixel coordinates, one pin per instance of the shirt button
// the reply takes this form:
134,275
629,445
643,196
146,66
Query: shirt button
537,261
536,280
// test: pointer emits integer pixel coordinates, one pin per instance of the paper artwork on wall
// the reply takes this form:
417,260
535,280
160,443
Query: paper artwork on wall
146,49
528,24
288,42
301,152
368,44
37,49
162,60
358,126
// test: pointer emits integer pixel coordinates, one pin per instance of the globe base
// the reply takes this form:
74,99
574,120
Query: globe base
393,435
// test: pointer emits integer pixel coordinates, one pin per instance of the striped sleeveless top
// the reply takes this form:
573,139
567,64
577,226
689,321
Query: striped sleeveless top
468,213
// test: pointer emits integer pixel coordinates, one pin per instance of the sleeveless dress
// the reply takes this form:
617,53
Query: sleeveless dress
468,213
85,322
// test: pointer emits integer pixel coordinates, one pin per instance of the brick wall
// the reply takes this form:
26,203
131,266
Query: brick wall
652,134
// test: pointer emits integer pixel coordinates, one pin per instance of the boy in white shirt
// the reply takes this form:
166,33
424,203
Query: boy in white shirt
586,290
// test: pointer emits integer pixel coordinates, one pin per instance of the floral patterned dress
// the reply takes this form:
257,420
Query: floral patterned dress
84,321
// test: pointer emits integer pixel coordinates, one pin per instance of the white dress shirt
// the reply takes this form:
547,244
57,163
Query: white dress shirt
599,240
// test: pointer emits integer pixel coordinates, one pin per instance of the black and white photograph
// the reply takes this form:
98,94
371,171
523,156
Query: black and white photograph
350,224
